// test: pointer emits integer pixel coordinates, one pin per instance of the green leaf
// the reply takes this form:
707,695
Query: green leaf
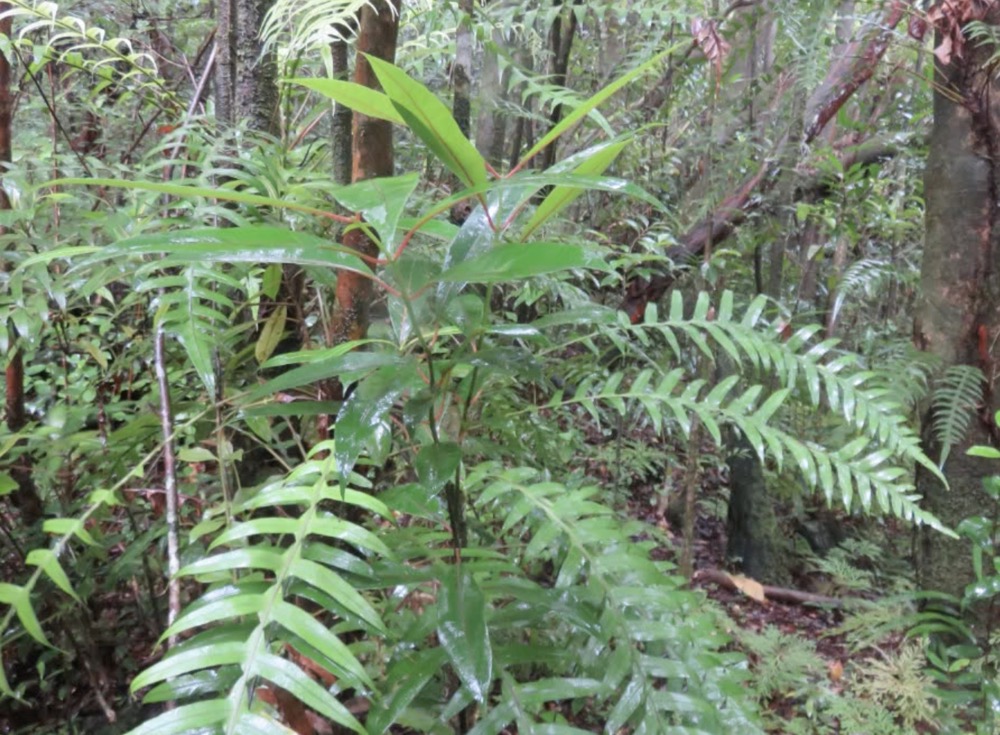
363,417
381,202
358,97
436,464
405,680
303,625
514,261
7,484
251,244
333,584
581,111
190,659
182,191
340,362
20,599
432,122
598,159
463,632
48,562
271,334
288,676
197,717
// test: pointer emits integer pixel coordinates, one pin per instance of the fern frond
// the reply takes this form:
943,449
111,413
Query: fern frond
303,25
953,405
194,311
634,625
251,623
872,466
864,277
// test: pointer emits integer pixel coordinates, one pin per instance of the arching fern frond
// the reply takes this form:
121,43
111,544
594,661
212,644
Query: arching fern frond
304,25
874,463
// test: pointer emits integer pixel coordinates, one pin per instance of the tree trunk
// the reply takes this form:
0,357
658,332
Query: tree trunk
958,317
561,42
461,72
245,81
491,125
225,62
340,131
256,90
753,539
25,495
373,157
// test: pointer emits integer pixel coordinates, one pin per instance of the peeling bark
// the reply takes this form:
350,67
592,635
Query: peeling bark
372,157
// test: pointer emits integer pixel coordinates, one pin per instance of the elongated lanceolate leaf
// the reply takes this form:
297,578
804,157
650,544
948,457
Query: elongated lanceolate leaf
253,244
584,109
513,261
463,632
432,122
358,97
599,158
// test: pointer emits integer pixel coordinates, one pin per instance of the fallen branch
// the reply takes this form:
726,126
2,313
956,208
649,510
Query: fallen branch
777,594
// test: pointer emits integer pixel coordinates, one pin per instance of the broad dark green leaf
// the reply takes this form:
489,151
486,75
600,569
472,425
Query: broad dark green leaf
347,367
463,632
513,261
364,416
432,122
436,464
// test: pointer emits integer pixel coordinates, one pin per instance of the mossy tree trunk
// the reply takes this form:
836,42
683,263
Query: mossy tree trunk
958,317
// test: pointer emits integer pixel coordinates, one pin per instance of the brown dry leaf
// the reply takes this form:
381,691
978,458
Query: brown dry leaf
749,587
836,669
712,44
943,50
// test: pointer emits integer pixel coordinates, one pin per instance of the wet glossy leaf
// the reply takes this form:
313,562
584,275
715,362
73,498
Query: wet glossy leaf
381,202
463,632
514,261
436,464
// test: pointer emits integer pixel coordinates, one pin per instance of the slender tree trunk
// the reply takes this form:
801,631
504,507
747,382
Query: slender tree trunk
372,157
561,43
26,495
225,61
461,72
340,130
256,91
958,317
